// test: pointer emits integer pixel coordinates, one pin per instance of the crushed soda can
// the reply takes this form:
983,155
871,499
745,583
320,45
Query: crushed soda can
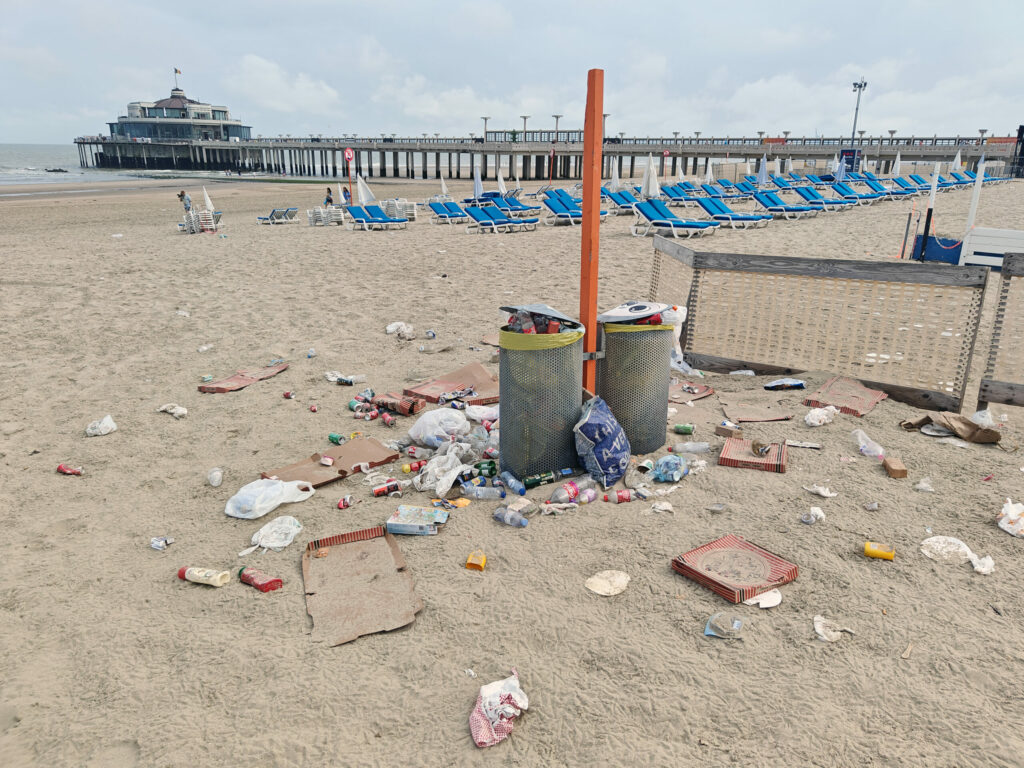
289,395
207,378
458,405
371,414
388,488
345,502
354,435
760,449
366,395
314,408
64,469
388,419
160,543
490,452
335,438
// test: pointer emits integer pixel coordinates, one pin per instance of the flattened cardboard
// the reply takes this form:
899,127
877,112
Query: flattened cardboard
961,426
357,584
734,568
848,395
740,412
242,379
738,453
472,375
361,450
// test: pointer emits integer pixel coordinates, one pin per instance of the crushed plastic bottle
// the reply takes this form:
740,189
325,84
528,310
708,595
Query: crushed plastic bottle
513,483
868,446
569,492
215,477
482,492
510,517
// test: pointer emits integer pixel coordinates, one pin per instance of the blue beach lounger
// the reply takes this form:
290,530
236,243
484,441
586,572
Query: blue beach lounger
846,192
812,196
774,205
719,211
650,219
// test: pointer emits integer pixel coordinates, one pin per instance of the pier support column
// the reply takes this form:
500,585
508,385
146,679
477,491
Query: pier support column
437,165
423,157
458,165
632,165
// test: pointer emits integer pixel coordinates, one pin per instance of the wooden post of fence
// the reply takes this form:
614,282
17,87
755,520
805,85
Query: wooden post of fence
592,141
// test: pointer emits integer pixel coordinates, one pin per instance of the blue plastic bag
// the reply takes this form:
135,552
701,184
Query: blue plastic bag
601,443
670,469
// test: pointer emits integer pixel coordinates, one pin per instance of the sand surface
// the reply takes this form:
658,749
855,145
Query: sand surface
108,660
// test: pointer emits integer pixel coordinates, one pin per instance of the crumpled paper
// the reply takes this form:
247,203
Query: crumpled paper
950,550
177,411
828,630
820,490
404,331
101,427
817,417
497,706
1011,518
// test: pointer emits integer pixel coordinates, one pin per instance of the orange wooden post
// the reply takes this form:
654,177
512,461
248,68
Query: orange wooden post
592,145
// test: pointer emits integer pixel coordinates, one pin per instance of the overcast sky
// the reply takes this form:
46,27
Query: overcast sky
408,67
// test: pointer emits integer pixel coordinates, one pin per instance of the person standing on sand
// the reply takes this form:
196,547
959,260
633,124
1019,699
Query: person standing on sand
185,200
347,196
329,199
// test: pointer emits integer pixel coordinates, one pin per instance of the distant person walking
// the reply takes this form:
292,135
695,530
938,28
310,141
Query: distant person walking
185,200
346,195
329,199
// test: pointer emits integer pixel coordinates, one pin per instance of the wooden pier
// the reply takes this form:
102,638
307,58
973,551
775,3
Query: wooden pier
454,157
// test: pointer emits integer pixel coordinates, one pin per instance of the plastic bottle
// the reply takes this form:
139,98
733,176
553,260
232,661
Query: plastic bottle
569,492
621,497
512,483
510,517
541,478
204,576
348,381
311,353
482,492
690,448
418,452
586,496
868,446
215,477
525,321
259,579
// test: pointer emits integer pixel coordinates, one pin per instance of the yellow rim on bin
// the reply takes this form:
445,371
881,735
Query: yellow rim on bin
620,328
534,341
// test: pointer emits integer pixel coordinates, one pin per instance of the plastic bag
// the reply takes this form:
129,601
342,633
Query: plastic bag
601,443
275,535
177,411
262,496
950,550
868,446
440,473
435,427
481,412
1011,518
817,417
670,469
403,330
984,419
101,427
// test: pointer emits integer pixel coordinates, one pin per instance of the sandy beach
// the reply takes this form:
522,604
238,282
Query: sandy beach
107,660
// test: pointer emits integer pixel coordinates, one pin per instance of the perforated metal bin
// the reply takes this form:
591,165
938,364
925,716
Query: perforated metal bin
541,381
633,378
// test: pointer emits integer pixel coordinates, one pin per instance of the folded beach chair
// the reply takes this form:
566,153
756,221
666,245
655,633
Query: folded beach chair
890,192
315,217
514,225
362,220
902,183
483,223
276,216
713,190
677,195
847,192
335,214
813,197
919,179
389,221
774,205
719,211
654,216
443,216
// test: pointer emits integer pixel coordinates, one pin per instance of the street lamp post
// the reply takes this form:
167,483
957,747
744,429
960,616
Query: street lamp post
858,88
485,119
557,117
525,118
982,132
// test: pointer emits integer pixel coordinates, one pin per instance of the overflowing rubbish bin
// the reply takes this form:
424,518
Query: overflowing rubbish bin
540,376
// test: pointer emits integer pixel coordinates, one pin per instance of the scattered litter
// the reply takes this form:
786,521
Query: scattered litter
474,375
871,506
906,653
209,576
259,580
470,673
275,535
829,631
935,430
986,478
814,515
894,467
1011,518
685,392
160,543
739,411
956,441
717,508
205,348
417,521
785,384
215,477
243,379
355,452
951,550
118,235
765,600
820,490
608,583
101,427
798,444
745,372
966,428
497,705
262,496
727,627
662,506
738,453
64,469
924,485
817,417
311,353
670,469
404,331
848,459
868,447
848,395
177,411
183,313
984,419
735,569
878,551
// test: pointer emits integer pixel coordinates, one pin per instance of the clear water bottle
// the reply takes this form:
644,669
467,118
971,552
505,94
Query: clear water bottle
482,492
868,446
690,448
510,517
513,483
569,492
215,477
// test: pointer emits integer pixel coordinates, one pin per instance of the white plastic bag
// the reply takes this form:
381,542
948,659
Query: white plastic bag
868,446
275,535
177,411
481,412
984,419
817,417
100,427
403,330
440,474
435,427
262,496
949,550
1011,519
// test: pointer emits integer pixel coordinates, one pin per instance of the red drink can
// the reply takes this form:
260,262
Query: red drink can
289,395
391,486
314,408
259,579
388,419
371,415
345,502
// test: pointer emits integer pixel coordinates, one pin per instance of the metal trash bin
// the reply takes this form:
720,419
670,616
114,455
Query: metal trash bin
540,378
633,378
